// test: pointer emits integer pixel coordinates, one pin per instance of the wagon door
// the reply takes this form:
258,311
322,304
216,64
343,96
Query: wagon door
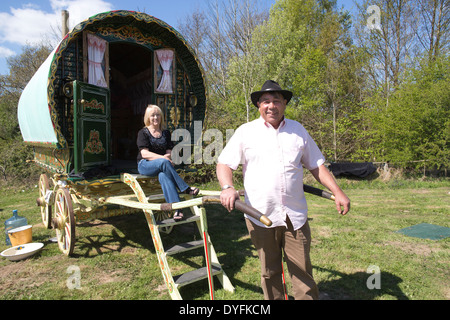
92,122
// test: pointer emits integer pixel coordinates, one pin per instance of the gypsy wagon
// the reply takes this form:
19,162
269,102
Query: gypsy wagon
81,112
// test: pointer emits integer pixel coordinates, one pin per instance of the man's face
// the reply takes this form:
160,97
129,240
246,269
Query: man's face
271,107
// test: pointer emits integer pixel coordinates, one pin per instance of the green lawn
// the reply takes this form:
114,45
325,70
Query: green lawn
116,258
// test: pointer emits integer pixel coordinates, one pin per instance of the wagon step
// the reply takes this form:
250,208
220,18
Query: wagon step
211,266
183,247
172,222
196,275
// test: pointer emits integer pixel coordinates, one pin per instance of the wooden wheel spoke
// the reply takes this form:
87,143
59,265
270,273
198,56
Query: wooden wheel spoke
67,235
65,221
46,209
60,212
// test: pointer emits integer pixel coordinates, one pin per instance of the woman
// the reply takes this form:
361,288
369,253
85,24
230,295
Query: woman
154,157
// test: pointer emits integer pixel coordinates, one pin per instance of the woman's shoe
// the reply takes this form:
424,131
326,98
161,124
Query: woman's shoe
192,191
178,215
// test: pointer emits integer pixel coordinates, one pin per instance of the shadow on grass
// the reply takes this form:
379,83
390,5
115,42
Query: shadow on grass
123,233
230,239
127,231
354,286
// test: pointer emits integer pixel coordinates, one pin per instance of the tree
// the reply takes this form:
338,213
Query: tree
227,28
194,29
433,29
307,48
416,125
386,30
22,67
396,37
366,90
13,152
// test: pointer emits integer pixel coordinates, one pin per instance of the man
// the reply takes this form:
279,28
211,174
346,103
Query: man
273,151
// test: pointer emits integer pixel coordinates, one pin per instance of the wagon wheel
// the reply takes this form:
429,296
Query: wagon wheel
164,215
64,222
46,209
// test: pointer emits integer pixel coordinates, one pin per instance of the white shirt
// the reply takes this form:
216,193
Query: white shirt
273,161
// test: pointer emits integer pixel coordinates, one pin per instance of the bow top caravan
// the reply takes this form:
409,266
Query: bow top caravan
82,111
84,106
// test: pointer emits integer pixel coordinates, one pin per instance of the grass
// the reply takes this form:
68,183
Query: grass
117,260
411,268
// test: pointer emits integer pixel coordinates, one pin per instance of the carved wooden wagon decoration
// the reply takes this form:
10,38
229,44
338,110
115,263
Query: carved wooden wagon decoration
81,112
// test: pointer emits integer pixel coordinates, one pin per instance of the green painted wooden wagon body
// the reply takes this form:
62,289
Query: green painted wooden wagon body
75,126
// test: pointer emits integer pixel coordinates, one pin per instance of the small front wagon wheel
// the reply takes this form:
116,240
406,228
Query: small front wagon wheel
46,209
64,221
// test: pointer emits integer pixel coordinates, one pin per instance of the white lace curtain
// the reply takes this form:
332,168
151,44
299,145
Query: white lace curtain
165,57
96,53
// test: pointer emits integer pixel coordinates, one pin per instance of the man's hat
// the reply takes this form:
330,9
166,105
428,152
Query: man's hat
270,86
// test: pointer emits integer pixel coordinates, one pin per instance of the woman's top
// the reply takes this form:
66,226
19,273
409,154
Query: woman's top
145,140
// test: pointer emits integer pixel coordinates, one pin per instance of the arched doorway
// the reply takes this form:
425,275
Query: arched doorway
131,88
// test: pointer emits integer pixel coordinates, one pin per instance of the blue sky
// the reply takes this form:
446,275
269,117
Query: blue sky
33,21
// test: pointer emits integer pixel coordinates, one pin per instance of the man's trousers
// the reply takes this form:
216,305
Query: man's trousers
270,244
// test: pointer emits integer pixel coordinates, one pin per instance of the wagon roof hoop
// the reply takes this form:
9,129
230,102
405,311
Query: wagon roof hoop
45,79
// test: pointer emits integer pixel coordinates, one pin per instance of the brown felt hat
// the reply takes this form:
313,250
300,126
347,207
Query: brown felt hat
270,86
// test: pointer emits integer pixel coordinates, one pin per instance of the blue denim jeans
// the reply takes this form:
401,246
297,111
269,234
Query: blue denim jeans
167,176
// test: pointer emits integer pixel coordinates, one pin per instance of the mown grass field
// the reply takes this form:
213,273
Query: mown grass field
117,260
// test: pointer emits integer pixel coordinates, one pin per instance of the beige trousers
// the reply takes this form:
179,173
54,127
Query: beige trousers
270,244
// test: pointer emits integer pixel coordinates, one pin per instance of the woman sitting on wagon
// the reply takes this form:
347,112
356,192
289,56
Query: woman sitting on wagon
154,157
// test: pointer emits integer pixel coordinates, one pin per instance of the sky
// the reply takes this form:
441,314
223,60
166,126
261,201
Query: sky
28,22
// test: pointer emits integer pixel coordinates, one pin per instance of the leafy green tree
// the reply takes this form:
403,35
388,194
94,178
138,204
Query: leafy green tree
13,152
415,127
306,47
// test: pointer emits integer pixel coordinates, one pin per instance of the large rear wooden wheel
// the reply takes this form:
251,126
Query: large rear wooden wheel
46,209
64,221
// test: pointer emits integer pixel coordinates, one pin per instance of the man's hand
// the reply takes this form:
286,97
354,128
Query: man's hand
228,197
326,179
225,177
342,200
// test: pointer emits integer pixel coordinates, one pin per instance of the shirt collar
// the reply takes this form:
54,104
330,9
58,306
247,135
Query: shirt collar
268,125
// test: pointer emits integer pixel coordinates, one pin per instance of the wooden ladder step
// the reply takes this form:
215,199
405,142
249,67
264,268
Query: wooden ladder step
182,247
172,222
196,275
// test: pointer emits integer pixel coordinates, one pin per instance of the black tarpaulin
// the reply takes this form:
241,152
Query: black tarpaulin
360,170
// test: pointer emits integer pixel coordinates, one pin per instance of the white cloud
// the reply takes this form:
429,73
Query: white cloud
24,25
30,25
5,52
80,10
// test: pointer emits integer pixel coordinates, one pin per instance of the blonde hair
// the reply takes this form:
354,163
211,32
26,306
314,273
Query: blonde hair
148,112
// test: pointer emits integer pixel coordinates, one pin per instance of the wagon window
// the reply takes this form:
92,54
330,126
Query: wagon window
97,48
165,71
